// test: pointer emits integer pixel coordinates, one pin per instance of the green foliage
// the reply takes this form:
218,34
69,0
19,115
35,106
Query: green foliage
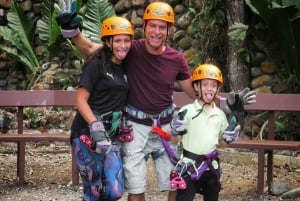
48,30
277,33
208,25
237,34
19,33
96,12
287,126
195,61
32,116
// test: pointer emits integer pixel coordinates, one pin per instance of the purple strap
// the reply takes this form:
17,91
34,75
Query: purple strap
204,165
169,151
167,147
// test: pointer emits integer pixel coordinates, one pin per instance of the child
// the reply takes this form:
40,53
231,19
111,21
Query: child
203,127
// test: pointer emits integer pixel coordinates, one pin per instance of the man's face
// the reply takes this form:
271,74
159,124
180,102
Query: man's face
156,33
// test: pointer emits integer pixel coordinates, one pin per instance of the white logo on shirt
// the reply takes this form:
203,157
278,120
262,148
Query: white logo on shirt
110,75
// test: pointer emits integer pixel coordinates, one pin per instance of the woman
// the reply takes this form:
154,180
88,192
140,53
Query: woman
100,97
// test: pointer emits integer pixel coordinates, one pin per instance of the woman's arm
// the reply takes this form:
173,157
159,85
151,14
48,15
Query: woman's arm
85,46
82,96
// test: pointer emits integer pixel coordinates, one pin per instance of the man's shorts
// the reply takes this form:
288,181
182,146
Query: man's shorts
145,143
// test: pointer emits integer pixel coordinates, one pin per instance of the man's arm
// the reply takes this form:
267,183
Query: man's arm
186,86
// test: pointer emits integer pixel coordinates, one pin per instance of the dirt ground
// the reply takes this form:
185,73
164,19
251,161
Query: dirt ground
48,176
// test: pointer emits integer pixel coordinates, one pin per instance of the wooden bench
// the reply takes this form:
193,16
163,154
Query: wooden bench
265,102
271,103
21,99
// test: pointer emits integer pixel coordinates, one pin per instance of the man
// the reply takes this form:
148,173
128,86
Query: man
152,68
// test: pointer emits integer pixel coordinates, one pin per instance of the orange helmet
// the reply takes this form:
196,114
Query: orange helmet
207,71
159,11
116,25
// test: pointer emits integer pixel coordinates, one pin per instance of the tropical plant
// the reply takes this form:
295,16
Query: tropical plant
208,26
277,34
48,30
96,12
237,33
20,35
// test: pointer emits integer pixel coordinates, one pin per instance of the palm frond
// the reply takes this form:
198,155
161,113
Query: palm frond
97,11
19,34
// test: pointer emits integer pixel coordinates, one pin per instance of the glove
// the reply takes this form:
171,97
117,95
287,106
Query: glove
100,137
67,18
231,133
236,101
178,127
247,96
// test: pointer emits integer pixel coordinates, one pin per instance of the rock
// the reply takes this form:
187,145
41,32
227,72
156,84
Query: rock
256,71
295,193
279,188
263,80
268,67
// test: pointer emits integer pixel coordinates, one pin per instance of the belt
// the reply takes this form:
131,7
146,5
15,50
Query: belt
134,112
200,158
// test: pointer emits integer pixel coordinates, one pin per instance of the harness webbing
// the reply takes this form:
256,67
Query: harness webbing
166,145
115,122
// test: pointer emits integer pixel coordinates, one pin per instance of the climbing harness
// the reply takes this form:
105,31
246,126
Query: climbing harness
176,179
204,160
111,121
156,126
134,112
194,168
125,134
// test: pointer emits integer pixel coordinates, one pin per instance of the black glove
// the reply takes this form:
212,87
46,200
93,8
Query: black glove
67,18
100,137
236,101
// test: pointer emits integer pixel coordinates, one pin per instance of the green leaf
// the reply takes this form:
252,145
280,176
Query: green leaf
19,34
279,35
48,30
97,11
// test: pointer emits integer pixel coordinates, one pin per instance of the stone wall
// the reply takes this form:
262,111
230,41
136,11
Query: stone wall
56,74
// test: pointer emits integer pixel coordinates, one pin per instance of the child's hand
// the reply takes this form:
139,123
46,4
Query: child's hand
232,132
178,127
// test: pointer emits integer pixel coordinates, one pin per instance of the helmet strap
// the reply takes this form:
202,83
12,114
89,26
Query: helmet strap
200,96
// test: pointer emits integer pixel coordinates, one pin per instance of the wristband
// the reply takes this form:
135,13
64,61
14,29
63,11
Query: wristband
70,33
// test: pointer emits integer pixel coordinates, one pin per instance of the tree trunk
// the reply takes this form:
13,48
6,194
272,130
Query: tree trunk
237,73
